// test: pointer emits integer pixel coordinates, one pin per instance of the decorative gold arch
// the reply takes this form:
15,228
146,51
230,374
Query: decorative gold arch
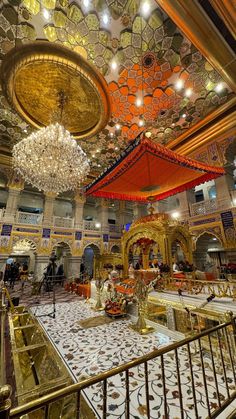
65,243
162,230
210,233
32,243
91,244
183,237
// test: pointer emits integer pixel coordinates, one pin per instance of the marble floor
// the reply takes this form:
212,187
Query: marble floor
87,352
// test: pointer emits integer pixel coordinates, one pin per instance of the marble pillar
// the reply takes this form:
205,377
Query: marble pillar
120,213
137,212
223,186
41,262
48,208
102,206
80,200
74,263
12,205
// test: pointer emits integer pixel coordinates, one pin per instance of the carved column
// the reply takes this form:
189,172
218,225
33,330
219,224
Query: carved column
223,192
120,215
102,211
48,208
74,263
136,211
185,200
15,186
80,200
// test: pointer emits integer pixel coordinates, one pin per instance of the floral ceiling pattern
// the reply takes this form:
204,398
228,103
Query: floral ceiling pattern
156,78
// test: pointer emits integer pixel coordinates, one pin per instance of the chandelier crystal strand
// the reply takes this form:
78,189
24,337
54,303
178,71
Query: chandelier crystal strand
51,160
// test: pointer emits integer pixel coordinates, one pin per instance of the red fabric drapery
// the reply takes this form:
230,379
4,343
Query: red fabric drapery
151,170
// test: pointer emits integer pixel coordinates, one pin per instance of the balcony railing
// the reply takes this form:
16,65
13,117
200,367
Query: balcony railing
114,228
204,207
63,222
28,218
92,225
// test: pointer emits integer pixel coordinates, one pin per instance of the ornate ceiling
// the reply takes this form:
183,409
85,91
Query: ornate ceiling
145,58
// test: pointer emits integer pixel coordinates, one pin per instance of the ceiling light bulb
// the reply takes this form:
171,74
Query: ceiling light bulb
138,102
111,134
145,8
93,155
46,14
179,84
116,148
188,92
148,134
105,19
98,151
114,65
117,126
25,130
175,214
214,238
97,225
219,87
184,115
141,122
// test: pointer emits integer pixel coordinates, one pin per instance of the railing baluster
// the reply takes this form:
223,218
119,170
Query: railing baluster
230,355
164,386
223,363
147,389
46,411
214,370
45,402
78,405
179,385
104,398
127,394
192,380
204,378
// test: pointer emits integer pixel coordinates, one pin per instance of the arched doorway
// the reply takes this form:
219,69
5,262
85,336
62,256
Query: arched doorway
209,254
24,251
90,255
63,254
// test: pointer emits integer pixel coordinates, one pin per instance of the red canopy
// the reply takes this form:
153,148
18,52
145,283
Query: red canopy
148,171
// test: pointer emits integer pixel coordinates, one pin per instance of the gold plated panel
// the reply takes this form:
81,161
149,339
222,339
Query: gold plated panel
34,76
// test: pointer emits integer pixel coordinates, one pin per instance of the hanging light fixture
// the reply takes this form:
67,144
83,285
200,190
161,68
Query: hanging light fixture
50,159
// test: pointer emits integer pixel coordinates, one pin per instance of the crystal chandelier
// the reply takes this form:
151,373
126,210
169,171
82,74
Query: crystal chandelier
51,160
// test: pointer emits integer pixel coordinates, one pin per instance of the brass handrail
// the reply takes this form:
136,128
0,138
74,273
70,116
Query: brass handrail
78,387
221,289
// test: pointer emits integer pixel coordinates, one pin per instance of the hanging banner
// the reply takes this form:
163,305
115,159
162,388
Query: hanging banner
228,226
46,233
5,235
6,229
78,235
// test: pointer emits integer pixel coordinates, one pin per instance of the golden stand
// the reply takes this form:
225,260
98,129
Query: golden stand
141,292
99,288
6,292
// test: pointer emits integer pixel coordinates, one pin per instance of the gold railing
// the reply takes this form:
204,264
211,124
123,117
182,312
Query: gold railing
220,289
214,375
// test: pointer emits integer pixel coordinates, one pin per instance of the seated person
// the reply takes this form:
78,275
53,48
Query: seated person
175,267
131,271
114,276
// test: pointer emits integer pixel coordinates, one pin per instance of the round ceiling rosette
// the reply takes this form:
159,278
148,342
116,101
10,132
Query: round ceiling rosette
33,77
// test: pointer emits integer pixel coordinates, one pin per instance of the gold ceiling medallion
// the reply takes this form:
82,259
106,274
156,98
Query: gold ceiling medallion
33,76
